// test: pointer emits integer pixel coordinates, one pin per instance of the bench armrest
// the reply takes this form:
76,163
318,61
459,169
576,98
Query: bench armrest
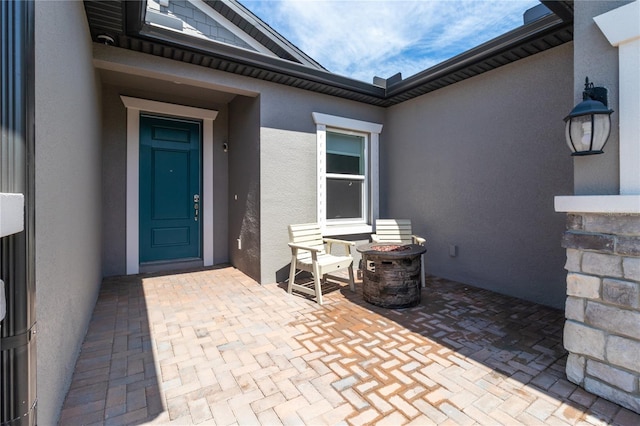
333,240
302,247
418,240
347,244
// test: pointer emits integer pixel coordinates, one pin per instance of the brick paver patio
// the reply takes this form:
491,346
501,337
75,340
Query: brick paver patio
214,347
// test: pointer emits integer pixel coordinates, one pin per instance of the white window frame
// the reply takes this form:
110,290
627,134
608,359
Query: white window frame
371,132
364,178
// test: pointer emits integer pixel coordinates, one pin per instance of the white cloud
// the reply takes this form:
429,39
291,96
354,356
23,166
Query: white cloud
360,39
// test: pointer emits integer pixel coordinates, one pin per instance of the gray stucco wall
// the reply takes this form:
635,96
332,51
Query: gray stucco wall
270,163
476,165
288,166
244,185
595,58
114,183
161,79
68,202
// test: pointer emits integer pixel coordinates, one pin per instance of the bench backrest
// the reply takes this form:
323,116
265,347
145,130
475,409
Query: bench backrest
394,230
306,234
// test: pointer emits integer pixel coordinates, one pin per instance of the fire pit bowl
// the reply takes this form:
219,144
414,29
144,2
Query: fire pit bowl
391,274
390,247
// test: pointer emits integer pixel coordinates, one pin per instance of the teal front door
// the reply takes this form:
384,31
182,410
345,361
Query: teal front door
170,216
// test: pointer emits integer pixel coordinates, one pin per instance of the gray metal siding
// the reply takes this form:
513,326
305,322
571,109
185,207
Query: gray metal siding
17,252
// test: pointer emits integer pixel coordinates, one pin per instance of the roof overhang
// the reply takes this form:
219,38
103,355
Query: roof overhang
125,22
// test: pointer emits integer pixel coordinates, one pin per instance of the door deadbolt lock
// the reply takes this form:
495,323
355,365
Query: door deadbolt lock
196,206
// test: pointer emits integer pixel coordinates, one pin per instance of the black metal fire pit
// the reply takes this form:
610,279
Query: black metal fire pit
391,274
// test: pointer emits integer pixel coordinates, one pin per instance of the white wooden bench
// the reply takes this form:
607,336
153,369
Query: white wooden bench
398,231
308,254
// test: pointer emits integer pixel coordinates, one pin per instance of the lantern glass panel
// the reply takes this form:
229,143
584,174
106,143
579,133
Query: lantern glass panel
586,137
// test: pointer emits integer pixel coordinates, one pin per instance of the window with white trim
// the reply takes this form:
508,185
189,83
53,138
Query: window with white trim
347,159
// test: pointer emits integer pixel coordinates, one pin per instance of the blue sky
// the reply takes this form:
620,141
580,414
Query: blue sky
363,38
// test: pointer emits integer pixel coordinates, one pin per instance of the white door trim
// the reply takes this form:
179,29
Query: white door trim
134,107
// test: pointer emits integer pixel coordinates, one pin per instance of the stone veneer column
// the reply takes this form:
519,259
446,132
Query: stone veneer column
602,331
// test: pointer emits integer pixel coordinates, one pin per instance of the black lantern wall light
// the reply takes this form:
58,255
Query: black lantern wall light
588,124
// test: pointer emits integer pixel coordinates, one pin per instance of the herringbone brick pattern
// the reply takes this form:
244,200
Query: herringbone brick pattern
214,347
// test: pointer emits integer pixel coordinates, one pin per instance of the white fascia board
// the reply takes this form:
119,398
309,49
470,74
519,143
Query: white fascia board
213,14
620,25
598,204
11,214
273,35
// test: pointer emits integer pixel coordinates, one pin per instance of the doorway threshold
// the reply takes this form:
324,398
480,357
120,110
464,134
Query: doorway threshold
171,265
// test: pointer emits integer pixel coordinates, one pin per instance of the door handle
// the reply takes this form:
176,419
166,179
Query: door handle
196,206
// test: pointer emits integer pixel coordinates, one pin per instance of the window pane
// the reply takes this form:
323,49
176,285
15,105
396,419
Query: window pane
343,164
344,199
345,154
